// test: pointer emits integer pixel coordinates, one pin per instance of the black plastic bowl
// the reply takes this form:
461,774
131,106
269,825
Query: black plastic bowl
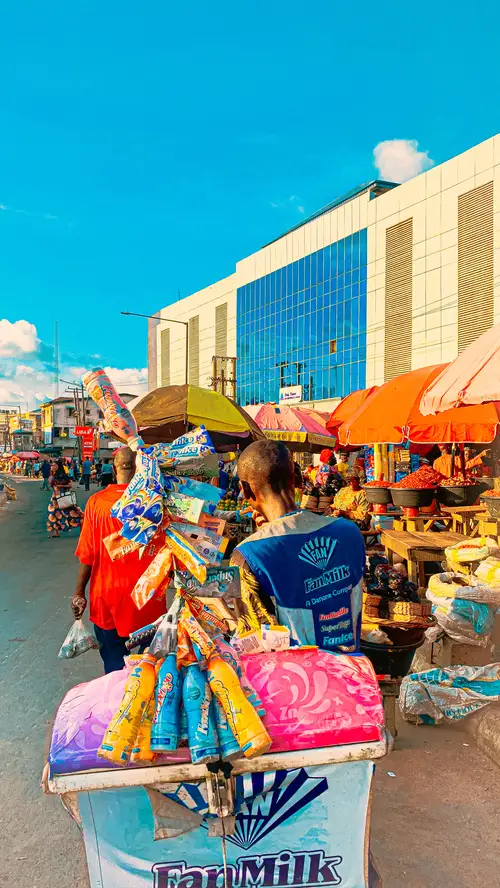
378,496
492,503
458,495
393,660
411,498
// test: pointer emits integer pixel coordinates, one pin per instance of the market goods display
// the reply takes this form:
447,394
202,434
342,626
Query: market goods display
350,707
377,484
459,480
463,603
424,478
390,596
493,493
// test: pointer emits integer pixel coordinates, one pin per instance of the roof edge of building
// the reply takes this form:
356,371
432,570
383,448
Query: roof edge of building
376,185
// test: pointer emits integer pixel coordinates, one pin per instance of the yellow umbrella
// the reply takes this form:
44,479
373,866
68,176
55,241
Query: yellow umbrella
167,412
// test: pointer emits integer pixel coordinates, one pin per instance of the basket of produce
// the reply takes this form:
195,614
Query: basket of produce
378,493
491,500
415,498
417,490
458,491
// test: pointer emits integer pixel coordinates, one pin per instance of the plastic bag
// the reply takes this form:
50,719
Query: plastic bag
449,694
78,640
453,585
469,622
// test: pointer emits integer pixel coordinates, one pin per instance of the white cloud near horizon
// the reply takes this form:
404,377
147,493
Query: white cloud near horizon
17,338
26,381
398,160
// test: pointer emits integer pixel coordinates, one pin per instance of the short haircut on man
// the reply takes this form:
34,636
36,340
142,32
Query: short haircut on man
267,464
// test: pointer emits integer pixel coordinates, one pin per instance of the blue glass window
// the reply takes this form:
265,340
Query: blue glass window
293,313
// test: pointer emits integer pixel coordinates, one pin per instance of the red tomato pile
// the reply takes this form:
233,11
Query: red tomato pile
378,484
424,478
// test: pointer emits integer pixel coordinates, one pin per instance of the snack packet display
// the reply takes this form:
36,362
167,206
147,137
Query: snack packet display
209,545
193,444
117,546
117,416
155,578
140,507
221,582
199,638
187,508
206,466
190,487
210,522
183,549
203,613
78,640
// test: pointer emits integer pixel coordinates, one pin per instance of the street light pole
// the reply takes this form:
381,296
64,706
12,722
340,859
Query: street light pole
185,324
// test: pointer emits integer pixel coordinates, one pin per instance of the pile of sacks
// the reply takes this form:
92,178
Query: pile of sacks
466,597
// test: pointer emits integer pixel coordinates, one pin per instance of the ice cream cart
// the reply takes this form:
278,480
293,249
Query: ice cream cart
296,817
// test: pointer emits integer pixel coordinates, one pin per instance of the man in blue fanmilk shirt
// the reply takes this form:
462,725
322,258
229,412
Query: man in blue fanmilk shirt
306,568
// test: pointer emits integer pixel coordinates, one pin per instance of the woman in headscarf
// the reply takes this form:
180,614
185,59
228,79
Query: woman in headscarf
351,502
61,519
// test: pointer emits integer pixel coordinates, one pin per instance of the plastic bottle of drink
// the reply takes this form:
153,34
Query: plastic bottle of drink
142,752
243,720
116,413
120,737
168,693
196,698
231,656
228,744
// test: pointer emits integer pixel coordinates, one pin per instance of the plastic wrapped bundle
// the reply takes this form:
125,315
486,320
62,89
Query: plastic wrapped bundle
448,694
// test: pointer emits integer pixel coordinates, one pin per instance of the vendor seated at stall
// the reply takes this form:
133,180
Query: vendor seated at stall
351,502
305,568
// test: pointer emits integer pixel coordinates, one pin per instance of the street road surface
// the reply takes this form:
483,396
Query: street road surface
434,823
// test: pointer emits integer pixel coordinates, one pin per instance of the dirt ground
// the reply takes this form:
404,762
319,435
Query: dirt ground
435,823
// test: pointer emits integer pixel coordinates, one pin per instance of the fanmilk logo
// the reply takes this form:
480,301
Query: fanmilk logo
318,551
303,869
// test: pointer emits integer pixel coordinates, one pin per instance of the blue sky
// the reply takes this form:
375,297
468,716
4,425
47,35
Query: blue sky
145,148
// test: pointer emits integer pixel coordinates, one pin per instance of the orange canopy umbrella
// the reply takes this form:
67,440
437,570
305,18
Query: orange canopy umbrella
347,408
472,378
391,415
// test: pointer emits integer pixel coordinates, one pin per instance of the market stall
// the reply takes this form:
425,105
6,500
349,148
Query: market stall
301,428
168,412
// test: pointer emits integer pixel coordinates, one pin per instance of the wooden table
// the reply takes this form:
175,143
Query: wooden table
420,523
417,548
465,518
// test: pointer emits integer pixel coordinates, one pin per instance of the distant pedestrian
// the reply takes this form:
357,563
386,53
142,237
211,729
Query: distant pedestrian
36,468
45,474
61,518
86,471
106,473
28,470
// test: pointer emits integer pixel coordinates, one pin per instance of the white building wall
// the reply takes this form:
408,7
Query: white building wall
203,303
431,200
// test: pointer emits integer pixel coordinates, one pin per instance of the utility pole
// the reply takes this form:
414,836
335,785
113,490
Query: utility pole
56,359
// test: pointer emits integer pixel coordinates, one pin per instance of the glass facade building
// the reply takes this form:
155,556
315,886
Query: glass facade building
305,324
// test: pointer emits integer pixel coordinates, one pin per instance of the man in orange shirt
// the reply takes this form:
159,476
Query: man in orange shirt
112,610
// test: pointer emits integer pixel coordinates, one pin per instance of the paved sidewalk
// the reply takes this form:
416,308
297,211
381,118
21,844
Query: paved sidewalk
433,824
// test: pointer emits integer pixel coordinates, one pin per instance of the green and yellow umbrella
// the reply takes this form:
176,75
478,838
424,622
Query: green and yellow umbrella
167,412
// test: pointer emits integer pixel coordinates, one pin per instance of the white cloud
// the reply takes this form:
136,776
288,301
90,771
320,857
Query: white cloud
129,379
398,160
283,204
17,338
